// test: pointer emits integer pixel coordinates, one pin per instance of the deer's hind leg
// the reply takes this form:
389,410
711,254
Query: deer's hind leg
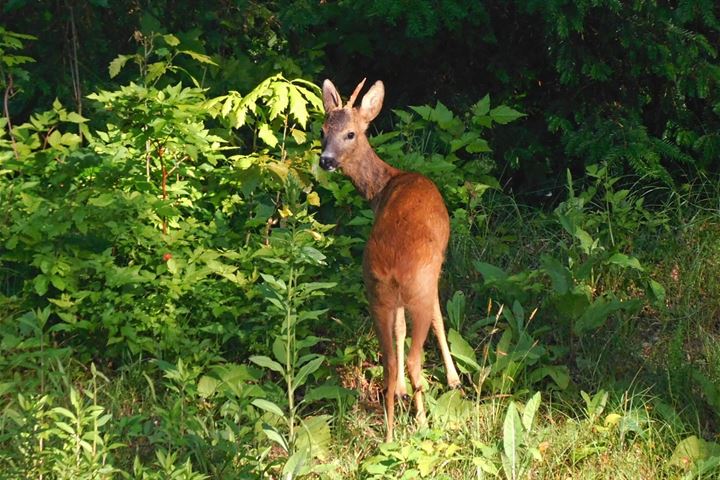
384,319
422,317
453,379
400,333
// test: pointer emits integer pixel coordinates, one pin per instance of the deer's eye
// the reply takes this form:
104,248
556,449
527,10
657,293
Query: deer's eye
350,135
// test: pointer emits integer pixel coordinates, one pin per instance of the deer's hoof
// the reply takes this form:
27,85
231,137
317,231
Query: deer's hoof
454,383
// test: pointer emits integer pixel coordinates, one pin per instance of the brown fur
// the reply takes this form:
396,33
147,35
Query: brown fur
404,254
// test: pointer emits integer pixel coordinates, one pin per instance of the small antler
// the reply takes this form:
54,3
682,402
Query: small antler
354,95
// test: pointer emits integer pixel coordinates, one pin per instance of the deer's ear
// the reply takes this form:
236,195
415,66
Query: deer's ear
331,97
372,101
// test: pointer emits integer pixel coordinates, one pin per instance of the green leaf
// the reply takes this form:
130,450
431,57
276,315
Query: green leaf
65,413
423,110
275,436
279,347
267,135
75,117
426,464
155,70
512,439
463,352
279,99
504,114
559,374
486,466
55,139
482,107
442,115
298,135
41,284
298,107
327,392
490,273
596,314
207,386
478,146
171,40
559,274
693,449
308,369
625,261
276,284
268,406
531,408
657,292
57,282
296,464
65,427
199,57
117,64
315,436
267,362
586,242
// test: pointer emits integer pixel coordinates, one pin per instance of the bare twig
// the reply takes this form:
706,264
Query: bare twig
75,64
6,110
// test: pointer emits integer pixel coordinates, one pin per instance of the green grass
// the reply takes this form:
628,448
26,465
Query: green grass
659,367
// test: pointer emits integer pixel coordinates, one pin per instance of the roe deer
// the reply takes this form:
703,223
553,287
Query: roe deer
406,248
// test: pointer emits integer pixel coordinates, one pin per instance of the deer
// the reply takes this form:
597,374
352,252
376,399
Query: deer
405,251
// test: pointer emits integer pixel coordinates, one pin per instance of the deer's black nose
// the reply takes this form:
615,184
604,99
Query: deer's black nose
328,162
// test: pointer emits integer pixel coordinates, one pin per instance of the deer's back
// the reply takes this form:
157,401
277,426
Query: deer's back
409,237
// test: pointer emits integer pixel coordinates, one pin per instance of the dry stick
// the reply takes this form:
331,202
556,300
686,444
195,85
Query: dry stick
74,64
6,108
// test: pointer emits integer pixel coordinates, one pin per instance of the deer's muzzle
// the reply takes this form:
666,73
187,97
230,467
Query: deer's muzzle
328,163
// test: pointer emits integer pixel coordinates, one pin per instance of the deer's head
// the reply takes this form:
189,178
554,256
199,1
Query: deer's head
344,142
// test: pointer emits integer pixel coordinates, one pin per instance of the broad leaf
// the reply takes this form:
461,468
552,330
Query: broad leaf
267,135
267,362
207,386
693,449
504,114
490,273
328,392
315,436
117,64
268,406
463,352
308,369
512,439
531,408
625,261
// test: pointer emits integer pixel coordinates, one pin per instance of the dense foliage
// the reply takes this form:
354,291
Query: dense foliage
180,294
631,83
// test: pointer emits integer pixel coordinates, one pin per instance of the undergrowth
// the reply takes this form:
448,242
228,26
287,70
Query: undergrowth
181,298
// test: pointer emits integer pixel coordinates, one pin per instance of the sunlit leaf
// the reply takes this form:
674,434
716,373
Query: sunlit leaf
117,64
308,369
463,352
267,362
171,40
207,386
266,135
298,107
531,408
199,57
268,406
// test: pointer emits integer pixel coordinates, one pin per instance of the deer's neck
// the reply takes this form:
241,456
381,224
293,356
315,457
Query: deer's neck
371,176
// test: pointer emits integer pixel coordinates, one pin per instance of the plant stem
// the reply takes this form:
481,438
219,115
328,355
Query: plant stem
163,186
290,358
6,110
